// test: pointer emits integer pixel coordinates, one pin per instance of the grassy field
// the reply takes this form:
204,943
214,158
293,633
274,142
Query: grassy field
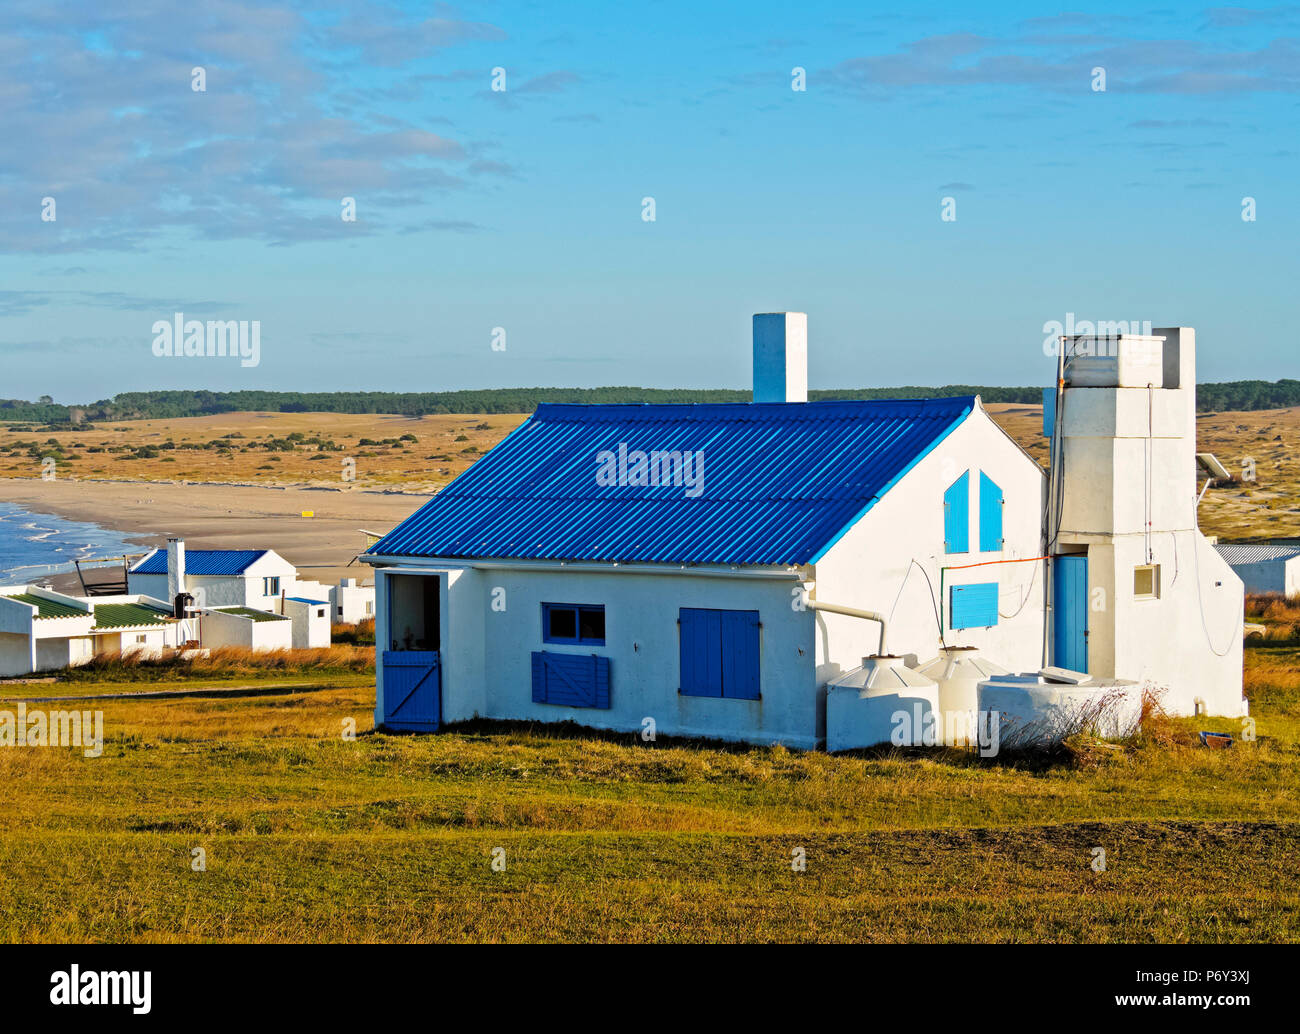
308,836
419,453
423,453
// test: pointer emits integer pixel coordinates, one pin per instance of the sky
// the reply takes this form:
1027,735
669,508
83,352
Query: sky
502,236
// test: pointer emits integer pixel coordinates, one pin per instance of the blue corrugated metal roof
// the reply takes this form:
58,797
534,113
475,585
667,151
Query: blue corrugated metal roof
202,561
781,483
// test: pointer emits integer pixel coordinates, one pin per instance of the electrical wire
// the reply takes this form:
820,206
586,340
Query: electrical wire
1023,603
1200,600
933,601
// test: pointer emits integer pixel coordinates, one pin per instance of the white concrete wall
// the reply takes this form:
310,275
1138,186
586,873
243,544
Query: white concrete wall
351,603
1188,642
872,568
17,654
311,623
218,629
487,653
147,641
207,590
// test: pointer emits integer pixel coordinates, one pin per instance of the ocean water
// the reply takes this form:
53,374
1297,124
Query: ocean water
37,544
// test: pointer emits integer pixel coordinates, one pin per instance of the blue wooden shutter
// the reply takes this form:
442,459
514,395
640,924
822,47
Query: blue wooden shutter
990,515
701,652
956,516
974,606
740,640
570,680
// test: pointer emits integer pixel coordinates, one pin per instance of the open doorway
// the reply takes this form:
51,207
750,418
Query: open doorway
411,681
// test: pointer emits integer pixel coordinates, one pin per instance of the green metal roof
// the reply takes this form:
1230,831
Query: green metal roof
47,608
249,612
126,615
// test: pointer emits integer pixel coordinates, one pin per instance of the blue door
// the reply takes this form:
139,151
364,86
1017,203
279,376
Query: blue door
1070,613
412,690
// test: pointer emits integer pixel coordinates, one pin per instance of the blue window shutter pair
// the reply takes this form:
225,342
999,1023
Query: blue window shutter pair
719,653
570,680
956,515
973,606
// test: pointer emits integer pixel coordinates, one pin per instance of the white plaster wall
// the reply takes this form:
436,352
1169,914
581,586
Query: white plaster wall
53,653
487,653
272,565
311,623
16,617
208,590
15,654
871,566
220,629
353,599
154,641
1166,642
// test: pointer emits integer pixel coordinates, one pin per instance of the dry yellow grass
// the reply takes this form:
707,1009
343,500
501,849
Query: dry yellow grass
443,447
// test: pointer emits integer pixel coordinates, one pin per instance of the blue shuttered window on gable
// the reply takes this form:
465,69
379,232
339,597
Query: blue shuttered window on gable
990,515
973,606
719,653
570,680
956,516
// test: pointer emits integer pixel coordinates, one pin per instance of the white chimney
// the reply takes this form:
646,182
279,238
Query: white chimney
175,568
781,357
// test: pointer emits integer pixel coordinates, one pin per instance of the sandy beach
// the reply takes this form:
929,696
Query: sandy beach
226,517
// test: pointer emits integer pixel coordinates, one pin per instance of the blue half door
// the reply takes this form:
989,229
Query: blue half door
1070,613
412,690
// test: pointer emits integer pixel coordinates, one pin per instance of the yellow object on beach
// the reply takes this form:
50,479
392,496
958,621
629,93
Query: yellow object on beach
309,513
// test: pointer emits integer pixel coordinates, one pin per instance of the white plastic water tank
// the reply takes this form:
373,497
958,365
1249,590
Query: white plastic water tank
958,672
1122,361
883,701
1034,710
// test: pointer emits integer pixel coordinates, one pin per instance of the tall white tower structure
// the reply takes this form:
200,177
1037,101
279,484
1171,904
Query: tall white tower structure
1137,591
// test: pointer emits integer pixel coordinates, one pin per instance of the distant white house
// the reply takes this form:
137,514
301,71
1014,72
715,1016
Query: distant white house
352,602
43,630
214,577
254,579
1265,568
310,620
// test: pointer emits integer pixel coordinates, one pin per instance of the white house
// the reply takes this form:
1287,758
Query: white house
42,630
257,579
310,621
351,602
1265,568
214,577
706,570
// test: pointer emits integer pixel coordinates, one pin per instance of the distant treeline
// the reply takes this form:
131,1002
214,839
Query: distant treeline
137,405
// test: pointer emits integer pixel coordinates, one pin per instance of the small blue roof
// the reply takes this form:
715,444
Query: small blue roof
314,603
781,482
203,561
